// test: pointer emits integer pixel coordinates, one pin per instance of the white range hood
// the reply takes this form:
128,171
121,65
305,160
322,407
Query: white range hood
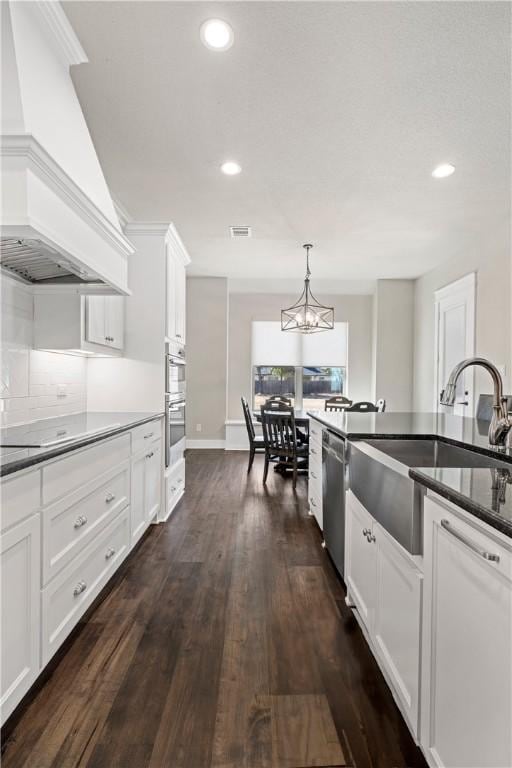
58,225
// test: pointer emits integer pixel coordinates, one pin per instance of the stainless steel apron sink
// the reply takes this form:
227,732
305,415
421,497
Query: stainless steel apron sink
379,477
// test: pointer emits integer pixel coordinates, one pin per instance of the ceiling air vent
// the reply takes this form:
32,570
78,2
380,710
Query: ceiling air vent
240,231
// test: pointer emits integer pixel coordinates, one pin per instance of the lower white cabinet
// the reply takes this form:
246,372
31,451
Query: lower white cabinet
315,491
73,590
467,658
20,578
146,488
174,485
384,584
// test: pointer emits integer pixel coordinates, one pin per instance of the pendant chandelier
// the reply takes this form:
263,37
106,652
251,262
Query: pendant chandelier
307,315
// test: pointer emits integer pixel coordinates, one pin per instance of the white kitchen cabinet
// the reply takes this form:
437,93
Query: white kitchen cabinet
20,578
396,629
104,321
360,559
146,488
467,660
315,472
79,324
176,296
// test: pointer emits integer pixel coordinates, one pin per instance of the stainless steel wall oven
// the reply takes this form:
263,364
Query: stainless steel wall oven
176,388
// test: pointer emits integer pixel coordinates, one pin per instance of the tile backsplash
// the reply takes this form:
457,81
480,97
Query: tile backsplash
34,384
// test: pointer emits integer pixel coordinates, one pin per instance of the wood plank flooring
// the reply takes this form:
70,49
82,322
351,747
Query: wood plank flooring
223,643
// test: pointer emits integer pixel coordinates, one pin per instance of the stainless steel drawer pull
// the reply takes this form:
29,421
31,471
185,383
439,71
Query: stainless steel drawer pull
109,497
312,502
454,532
149,455
366,531
80,521
312,450
149,434
80,587
109,553
313,474
370,537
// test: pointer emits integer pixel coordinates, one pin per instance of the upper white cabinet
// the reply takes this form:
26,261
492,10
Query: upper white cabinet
176,261
467,660
104,321
78,323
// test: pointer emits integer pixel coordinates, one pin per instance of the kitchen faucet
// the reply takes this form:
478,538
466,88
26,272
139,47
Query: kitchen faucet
500,425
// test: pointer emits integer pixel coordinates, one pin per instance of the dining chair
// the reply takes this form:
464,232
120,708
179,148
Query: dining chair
337,403
362,407
280,438
282,405
279,399
256,443
381,405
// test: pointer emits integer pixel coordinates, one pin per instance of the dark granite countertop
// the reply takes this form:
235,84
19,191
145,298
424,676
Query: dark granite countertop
22,446
482,492
485,493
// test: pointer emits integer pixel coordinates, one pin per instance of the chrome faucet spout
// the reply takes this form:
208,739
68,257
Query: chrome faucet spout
500,425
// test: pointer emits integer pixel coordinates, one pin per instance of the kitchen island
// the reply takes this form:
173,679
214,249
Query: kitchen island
428,571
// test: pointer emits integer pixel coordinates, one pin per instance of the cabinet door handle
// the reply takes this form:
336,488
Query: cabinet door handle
178,335
149,455
370,537
366,531
80,587
149,434
109,497
109,553
81,520
482,552
312,502
313,474
312,450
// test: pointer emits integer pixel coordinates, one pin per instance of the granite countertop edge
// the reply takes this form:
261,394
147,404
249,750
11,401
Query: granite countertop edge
16,465
465,502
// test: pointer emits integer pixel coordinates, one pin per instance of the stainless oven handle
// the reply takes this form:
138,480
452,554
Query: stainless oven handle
473,547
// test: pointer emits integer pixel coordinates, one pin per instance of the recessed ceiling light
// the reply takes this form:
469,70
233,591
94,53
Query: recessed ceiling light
217,34
230,168
443,170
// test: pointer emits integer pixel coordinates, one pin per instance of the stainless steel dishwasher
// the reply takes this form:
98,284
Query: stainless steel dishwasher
333,497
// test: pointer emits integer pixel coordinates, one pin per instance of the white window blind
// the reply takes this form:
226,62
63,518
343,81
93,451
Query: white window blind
272,346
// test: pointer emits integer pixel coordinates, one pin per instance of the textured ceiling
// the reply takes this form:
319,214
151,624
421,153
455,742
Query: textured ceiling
336,111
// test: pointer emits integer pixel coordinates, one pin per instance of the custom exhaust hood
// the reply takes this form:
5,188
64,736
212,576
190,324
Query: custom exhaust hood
58,224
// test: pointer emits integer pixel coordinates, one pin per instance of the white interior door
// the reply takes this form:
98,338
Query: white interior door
455,341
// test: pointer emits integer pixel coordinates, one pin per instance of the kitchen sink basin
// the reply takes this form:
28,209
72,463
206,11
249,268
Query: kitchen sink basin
433,453
379,477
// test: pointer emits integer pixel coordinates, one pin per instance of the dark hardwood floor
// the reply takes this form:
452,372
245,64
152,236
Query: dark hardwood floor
224,642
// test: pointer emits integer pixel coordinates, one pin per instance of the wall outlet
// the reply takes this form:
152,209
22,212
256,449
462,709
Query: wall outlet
199,427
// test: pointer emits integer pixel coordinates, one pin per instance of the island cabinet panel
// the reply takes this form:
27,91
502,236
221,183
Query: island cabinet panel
20,497
20,581
397,621
360,559
467,660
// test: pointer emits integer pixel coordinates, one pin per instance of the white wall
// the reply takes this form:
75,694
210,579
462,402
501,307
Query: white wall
246,307
35,384
207,320
393,343
493,324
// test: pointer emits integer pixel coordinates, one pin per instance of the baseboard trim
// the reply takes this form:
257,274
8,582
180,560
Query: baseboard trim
206,444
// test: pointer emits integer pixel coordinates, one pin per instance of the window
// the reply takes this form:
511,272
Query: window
306,369
273,380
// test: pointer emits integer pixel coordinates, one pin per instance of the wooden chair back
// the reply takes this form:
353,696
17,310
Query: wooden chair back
381,405
279,433
278,398
337,403
248,420
277,405
362,407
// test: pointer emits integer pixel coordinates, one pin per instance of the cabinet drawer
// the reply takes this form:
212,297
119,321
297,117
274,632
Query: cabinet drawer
146,433
175,484
70,524
20,497
72,591
65,475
